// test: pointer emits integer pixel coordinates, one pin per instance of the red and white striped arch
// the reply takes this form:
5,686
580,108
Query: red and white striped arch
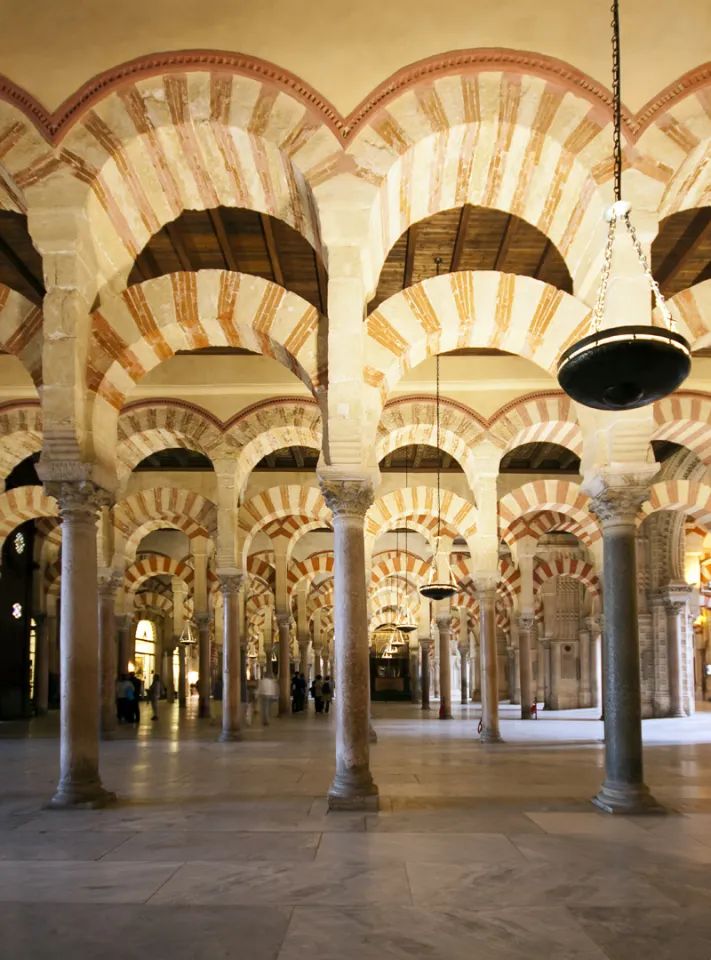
691,308
148,427
458,514
540,418
156,602
685,418
22,504
405,566
160,507
302,503
540,522
560,496
308,568
694,499
155,565
21,332
26,156
193,140
261,564
465,309
20,434
491,137
575,569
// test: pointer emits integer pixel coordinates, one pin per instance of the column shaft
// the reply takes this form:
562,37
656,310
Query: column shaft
425,646
231,659
203,622
353,786
444,622
41,693
284,625
525,630
464,658
489,665
674,652
107,654
182,677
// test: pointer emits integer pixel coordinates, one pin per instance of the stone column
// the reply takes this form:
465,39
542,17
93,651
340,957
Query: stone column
676,604
353,786
584,641
414,671
182,677
41,692
464,654
425,647
593,627
624,789
464,658
514,688
319,665
444,629
546,645
486,592
541,671
79,780
284,625
555,667
475,684
123,629
526,631
203,625
108,585
231,658
304,660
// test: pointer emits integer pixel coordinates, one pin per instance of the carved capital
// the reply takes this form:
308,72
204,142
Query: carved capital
619,505
78,500
283,620
203,620
347,498
231,583
444,621
426,643
526,622
676,598
486,585
109,582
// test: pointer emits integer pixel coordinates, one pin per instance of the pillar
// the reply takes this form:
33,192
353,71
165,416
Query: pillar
123,629
79,780
353,786
284,626
475,666
584,646
444,629
107,653
526,631
41,692
464,654
541,693
593,627
547,672
486,592
182,677
304,660
231,658
624,789
676,604
425,647
203,625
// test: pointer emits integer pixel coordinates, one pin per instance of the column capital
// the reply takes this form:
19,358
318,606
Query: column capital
619,505
444,620
593,624
109,582
348,497
231,583
283,620
526,621
426,643
77,499
676,597
202,620
486,582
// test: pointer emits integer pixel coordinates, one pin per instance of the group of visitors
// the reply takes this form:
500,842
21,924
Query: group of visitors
128,697
322,693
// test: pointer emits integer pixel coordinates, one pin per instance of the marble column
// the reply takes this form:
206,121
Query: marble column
107,652
486,592
555,665
425,647
541,671
414,672
676,603
79,780
593,627
203,625
547,669
304,660
123,629
41,691
584,642
624,789
444,630
353,787
182,677
464,684
284,627
526,631
475,684
231,658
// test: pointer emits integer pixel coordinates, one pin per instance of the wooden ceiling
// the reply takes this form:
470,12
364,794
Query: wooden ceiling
681,252
528,458
470,238
290,458
230,238
20,264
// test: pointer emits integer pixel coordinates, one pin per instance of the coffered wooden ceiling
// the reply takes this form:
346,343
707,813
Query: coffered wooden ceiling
681,252
528,458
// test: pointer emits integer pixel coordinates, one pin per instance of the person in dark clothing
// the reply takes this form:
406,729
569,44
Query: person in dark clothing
302,693
318,693
295,693
134,704
327,694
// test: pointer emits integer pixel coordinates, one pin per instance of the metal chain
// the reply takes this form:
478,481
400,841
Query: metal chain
616,99
658,295
439,460
599,311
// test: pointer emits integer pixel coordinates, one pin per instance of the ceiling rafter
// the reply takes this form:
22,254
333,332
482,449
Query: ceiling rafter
179,247
697,233
272,251
460,239
21,268
223,241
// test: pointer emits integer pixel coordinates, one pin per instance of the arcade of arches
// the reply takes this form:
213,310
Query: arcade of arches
221,300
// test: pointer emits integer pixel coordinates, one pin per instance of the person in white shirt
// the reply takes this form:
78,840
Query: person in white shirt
268,692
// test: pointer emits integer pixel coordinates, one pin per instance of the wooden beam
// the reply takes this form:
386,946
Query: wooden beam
460,239
410,255
20,267
419,453
697,233
223,241
178,246
272,251
544,450
322,281
541,262
298,457
505,244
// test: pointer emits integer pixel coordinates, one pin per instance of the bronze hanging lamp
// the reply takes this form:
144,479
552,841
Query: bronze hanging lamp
435,588
620,368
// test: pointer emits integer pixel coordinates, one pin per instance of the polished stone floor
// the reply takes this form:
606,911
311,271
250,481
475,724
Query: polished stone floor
219,851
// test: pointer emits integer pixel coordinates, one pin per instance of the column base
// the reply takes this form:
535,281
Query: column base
526,713
347,795
491,736
372,735
629,799
230,736
81,796
425,706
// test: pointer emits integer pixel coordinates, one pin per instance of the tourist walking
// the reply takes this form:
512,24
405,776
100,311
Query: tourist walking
317,693
135,701
327,694
154,692
268,693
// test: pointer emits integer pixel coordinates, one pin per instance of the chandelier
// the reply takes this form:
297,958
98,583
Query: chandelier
621,368
435,588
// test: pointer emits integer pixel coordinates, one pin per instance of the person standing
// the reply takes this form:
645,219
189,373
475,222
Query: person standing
135,700
327,694
318,693
268,693
154,692
122,692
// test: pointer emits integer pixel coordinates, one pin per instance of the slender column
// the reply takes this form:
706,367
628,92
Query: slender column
353,786
319,666
475,684
555,662
464,658
526,626
514,688
231,658
584,641
593,627
541,696
547,673
676,605
304,660
464,653
41,693
203,625
624,789
107,652
444,629
123,629
182,677
486,591
425,647
79,780
284,625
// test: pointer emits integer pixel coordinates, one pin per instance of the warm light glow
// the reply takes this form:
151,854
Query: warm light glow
692,569
192,677
131,666
145,630
19,542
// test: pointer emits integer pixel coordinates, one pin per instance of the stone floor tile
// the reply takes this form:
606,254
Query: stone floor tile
635,933
52,881
417,847
214,845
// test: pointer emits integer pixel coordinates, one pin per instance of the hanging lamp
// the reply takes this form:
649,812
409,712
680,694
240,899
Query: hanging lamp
621,368
434,588
406,626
